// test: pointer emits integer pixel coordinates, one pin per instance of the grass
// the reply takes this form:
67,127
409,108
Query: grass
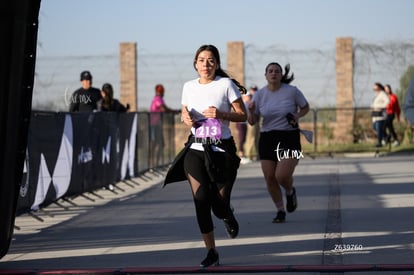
355,148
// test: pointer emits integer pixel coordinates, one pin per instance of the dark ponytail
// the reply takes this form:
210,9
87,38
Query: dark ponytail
219,71
222,73
108,100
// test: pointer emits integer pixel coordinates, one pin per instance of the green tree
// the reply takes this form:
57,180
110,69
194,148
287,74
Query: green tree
404,83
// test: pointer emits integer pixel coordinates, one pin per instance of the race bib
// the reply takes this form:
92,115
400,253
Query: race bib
208,128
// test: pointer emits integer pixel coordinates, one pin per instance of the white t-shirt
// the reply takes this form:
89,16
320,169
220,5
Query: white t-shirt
220,93
273,106
380,102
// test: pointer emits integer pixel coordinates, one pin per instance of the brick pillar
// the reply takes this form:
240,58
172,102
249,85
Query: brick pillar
235,60
128,75
235,68
344,90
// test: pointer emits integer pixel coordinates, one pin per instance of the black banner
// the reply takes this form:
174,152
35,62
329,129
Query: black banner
72,153
43,151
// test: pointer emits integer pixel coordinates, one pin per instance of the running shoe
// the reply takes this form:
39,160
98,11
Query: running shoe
212,259
245,160
291,201
232,226
280,217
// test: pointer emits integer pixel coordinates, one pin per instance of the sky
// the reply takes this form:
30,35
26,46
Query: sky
96,27
81,27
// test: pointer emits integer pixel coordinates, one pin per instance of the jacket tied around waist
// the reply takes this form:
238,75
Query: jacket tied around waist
218,163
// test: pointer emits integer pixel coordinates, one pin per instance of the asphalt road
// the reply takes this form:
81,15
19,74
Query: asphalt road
355,214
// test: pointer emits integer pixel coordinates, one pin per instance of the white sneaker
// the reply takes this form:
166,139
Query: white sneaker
396,143
245,160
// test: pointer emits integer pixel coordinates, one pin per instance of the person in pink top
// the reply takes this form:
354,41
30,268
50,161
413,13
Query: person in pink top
393,111
157,107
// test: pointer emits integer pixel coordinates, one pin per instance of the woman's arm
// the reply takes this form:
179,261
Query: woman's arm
238,113
303,111
253,118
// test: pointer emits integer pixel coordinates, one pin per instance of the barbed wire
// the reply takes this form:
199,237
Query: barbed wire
379,62
314,69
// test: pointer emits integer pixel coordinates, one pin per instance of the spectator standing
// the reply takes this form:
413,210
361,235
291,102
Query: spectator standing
157,108
392,111
242,132
86,97
253,131
280,105
209,160
378,112
108,103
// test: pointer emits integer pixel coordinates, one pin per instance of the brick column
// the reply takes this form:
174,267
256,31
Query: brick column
235,68
128,75
344,90
235,60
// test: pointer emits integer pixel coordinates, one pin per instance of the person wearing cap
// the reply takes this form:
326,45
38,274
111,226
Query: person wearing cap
86,97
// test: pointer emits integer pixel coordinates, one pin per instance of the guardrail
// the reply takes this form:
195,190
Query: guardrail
72,153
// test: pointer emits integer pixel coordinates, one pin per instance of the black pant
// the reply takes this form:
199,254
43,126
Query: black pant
207,198
389,128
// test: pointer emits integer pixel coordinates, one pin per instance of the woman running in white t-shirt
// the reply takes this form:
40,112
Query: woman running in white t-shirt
209,160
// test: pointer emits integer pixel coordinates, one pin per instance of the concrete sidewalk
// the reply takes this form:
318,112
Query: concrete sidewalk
355,214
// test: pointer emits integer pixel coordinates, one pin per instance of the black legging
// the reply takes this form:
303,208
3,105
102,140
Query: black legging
208,196
389,127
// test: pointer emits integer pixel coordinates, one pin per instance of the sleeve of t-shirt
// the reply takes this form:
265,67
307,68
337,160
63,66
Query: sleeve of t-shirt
74,105
385,100
184,94
256,100
156,103
300,99
159,102
233,92
397,107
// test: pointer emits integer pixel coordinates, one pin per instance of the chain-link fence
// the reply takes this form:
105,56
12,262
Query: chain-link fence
314,69
328,136
155,140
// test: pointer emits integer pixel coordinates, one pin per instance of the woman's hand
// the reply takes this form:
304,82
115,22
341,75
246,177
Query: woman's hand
186,116
211,112
238,113
252,117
